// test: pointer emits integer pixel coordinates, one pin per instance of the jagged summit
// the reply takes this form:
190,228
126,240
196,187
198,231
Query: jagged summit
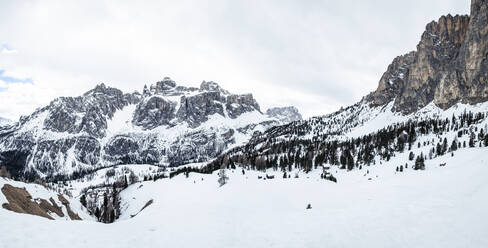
286,114
4,122
212,86
449,66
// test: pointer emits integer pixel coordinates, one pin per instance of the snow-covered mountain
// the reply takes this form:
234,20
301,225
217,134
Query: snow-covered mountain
444,79
285,114
367,175
5,122
166,125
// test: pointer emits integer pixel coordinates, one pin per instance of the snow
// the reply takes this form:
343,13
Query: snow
100,177
380,117
5,122
40,192
438,207
121,121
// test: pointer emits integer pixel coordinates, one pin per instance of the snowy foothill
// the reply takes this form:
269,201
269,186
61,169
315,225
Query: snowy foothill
437,207
38,192
374,119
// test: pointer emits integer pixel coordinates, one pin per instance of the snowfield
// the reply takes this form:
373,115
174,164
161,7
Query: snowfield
439,207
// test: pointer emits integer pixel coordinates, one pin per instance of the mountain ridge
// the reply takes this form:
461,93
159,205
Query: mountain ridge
166,125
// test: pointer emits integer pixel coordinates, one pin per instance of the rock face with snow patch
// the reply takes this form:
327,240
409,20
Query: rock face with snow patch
450,65
286,114
5,122
165,125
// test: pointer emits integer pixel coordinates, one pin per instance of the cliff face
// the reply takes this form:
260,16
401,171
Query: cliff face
449,65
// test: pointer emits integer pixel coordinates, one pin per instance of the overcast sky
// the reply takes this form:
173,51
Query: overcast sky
315,55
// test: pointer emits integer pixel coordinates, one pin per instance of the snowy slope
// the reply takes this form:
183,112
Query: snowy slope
361,119
40,192
438,207
5,122
378,118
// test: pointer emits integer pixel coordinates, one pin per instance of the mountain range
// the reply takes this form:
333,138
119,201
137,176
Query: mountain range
172,125
403,167
165,125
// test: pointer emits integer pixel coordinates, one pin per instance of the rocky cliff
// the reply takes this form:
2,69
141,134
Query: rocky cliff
285,114
449,66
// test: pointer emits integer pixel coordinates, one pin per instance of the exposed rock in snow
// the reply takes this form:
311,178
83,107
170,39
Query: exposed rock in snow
36,199
5,122
285,114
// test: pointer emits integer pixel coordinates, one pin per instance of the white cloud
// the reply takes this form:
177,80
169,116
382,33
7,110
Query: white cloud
7,51
317,55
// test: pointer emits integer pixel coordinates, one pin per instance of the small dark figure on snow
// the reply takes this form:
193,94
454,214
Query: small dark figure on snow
309,206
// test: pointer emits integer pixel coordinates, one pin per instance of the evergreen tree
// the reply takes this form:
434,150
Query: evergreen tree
411,156
471,141
83,200
419,162
454,145
349,160
222,177
444,146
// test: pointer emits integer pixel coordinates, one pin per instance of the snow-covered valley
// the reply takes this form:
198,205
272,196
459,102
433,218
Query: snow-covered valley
438,207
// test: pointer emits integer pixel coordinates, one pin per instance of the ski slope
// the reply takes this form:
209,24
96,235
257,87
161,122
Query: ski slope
439,207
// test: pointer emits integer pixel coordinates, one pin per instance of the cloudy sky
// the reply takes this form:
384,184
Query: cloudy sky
316,55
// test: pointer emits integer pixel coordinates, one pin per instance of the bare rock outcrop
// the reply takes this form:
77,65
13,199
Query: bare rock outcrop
449,66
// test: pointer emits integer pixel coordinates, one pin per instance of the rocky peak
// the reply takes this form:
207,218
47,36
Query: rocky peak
447,29
5,122
170,104
164,85
284,114
212,86
87,113
103,89
449,65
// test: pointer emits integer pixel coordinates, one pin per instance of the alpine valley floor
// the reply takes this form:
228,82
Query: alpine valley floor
438,207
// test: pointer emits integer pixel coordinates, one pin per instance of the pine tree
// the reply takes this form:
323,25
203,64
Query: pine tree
471,141
83,200
411,156
444,146
454,145
419,162
222,177
438,149
350,162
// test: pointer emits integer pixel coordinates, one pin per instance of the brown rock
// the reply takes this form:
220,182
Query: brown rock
450,65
